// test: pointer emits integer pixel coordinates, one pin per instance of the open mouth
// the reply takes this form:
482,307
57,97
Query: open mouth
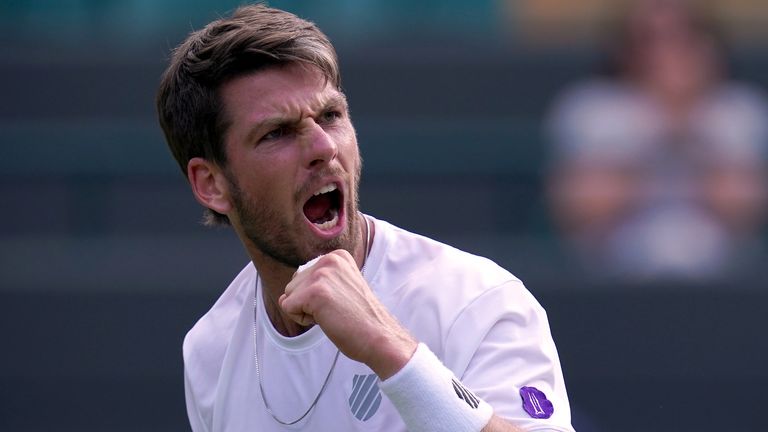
323,208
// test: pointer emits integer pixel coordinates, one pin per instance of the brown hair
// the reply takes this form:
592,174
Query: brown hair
254,37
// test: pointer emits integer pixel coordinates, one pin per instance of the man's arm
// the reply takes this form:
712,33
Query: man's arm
497,424
333,294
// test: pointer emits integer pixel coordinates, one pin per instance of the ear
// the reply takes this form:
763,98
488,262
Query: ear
209,185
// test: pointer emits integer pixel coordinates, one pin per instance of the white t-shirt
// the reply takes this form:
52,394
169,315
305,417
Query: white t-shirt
475,316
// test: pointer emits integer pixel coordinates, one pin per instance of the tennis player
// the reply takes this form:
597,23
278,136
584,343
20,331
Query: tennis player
341,321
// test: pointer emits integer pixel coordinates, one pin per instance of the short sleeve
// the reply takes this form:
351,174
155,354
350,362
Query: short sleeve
734,125
601,123
503,343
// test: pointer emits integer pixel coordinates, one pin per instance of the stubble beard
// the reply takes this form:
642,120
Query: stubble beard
273,235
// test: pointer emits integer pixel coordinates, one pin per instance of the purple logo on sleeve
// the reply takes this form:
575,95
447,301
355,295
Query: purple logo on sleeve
535,403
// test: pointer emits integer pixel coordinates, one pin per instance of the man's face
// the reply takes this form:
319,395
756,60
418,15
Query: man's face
293,164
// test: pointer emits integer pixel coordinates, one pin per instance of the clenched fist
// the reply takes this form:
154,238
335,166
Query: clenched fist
333,294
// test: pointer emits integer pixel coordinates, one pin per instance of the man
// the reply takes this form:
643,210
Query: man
386,330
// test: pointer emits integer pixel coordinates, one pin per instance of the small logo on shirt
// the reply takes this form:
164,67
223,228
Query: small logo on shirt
535,403
465,395
365,398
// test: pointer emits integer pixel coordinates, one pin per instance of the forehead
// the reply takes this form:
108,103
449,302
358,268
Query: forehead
291,90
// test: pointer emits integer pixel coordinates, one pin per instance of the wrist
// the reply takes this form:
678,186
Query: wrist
392,353
429,397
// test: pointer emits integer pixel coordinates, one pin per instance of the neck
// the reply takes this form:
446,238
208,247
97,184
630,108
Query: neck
272,287
274,276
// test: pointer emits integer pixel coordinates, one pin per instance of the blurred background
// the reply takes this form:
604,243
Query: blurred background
611,155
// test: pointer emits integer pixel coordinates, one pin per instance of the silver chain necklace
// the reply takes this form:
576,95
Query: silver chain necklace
335,358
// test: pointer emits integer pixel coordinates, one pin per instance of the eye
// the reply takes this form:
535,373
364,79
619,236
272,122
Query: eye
330,116
274,134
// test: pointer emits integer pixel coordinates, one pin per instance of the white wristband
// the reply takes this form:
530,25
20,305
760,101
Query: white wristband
430,398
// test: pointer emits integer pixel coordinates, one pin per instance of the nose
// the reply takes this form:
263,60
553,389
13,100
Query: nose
321,147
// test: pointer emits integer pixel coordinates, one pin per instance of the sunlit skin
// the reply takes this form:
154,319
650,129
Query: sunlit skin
289,134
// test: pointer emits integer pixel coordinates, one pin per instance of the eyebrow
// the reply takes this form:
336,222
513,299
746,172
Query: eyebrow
269,123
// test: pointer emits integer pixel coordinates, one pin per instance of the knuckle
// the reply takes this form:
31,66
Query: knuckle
332,258
319,293
323,274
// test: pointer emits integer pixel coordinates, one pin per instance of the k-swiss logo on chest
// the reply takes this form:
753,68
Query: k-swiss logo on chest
366,397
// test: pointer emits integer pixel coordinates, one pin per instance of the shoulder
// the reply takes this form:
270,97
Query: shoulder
741,101
601,120
594,95
421,277
742,93
206,343
453,300
735,118
409,257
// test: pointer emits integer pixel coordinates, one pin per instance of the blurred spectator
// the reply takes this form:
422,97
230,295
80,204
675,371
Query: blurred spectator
659,167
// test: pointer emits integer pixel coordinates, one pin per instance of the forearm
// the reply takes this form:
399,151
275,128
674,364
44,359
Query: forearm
738,196
498,424
590,198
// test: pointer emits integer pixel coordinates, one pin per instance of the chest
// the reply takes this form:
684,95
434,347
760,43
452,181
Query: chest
291,382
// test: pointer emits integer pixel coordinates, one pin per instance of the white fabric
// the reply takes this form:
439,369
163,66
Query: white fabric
603,122
475,316
426,394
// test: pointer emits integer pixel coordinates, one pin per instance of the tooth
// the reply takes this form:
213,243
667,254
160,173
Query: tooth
331,223
325,189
